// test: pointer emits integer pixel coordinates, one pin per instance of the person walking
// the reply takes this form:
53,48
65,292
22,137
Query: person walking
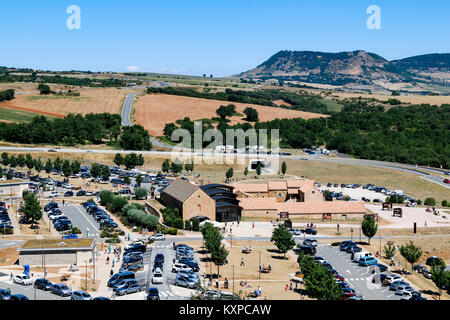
242,262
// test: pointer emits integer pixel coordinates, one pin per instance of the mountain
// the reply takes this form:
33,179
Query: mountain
355,70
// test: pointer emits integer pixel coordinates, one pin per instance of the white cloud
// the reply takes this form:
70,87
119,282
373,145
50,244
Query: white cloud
133,68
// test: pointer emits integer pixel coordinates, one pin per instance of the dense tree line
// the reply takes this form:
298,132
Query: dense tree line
71,130
295,101
58,79
77,129
416,134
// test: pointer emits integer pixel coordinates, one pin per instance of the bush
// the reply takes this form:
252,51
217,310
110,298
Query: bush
75,230
335,244
419,202
106,197
187,225
195,224
430,202
444,203
118,203
141,193
7,230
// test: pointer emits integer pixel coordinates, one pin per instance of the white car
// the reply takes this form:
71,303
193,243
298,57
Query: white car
393,278
58,215
185,270
157,237
178,266
401,290
23,279
157,277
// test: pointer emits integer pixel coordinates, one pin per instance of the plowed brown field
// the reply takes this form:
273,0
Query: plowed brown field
154,111
90,101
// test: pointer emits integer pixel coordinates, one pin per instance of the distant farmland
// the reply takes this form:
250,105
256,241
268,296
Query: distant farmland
155,110
13,115
90,101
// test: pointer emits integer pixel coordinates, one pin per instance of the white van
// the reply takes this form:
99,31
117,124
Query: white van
359,255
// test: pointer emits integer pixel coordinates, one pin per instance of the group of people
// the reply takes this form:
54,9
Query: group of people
262,268
245,284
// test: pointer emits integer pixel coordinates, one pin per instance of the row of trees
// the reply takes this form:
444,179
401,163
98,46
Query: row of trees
77,129
412,253
176,166
130,161
213,244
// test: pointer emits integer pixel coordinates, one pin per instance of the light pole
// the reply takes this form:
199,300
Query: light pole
259,269
359,234
86,275
233,280
351,236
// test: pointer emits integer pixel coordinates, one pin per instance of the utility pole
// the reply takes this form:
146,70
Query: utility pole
359,234
233,281
86,276
259,270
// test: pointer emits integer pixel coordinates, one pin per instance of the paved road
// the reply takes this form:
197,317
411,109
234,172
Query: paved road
126,121
439,180
126,109
9,243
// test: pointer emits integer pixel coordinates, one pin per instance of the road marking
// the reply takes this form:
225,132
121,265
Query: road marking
348,271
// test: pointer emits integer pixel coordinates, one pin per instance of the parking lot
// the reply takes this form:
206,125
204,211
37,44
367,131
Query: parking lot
356,276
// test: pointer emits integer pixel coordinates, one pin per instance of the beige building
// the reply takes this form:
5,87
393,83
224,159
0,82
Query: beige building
290,198
189,199
11,187
56,252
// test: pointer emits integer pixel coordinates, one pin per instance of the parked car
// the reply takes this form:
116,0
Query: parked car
81,295
310,231
393,278
81,193
177,266
18,297
22,279
120,276
123,282
61,289
402,289
153,294
182,281
127,289
157,237
310,242
345,244
367,261
68,194
378,268
5,294
306,249
43,284
158,278
395,285
432,260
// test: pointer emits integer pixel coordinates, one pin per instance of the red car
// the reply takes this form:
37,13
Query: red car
446,180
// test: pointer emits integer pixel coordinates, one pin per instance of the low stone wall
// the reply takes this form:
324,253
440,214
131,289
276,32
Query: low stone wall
153,211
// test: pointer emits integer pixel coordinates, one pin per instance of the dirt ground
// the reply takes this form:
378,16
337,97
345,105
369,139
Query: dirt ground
8,256
272,284
154,111
91,100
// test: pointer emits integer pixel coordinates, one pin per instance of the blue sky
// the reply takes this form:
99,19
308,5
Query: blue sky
206,36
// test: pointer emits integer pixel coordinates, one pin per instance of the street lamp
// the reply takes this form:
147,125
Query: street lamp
86,275
259,269
233,281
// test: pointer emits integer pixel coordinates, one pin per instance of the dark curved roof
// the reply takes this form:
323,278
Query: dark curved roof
226,199
216,185
214,191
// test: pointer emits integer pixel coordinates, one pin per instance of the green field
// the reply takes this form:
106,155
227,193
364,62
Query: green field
332,105
18,115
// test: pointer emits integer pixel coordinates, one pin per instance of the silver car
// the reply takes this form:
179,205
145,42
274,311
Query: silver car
81,295
61,289
185,282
